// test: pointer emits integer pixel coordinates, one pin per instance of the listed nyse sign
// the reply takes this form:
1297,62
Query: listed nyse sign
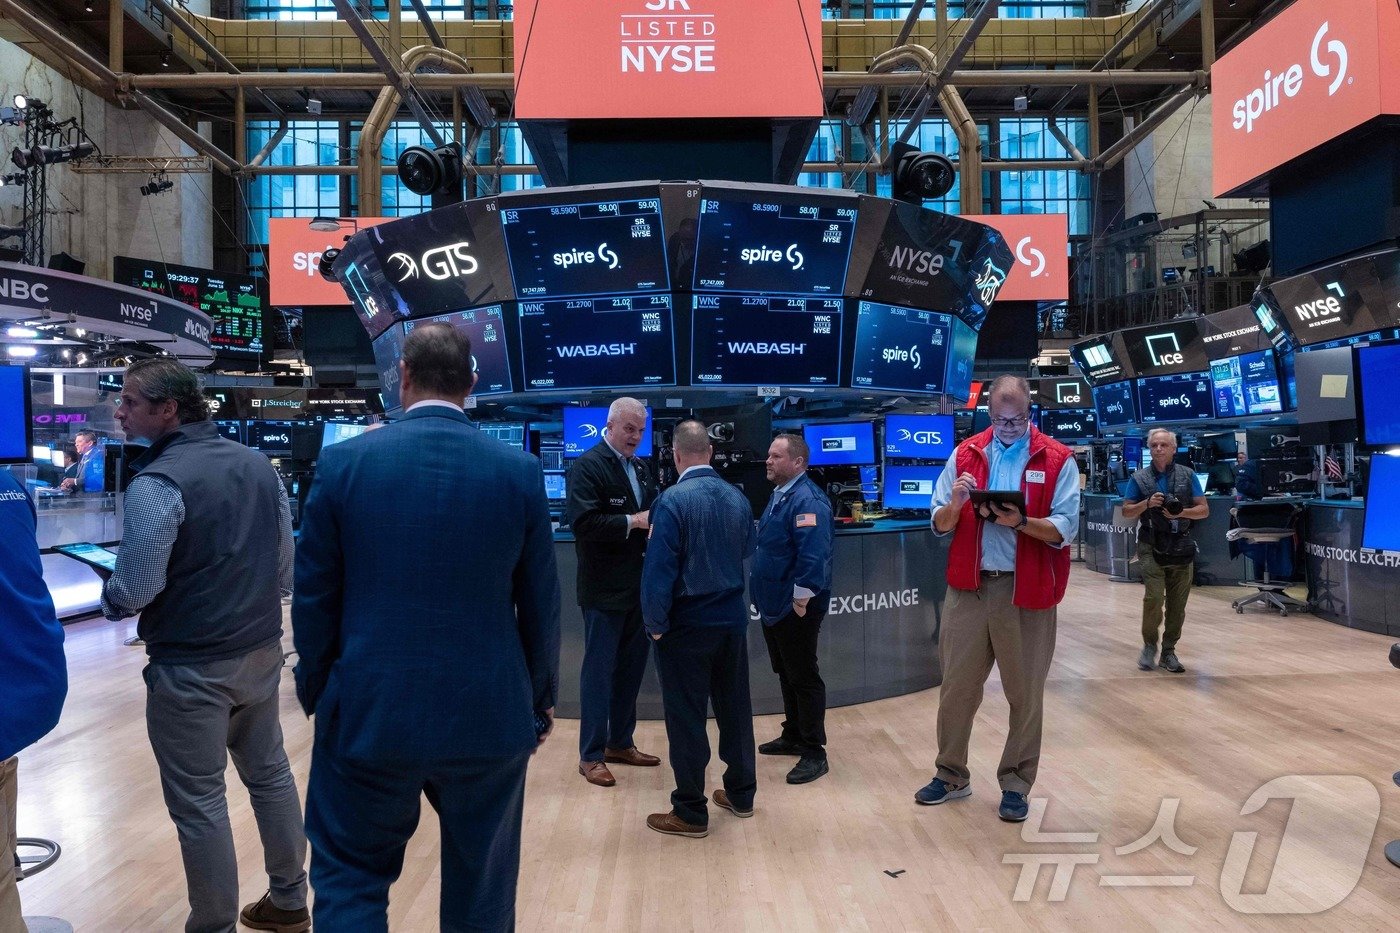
667,58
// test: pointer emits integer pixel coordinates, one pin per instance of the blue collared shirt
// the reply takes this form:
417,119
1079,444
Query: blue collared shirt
1006,466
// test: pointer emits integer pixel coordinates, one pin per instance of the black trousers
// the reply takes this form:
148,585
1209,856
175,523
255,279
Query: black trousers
614,662
702,666
792,646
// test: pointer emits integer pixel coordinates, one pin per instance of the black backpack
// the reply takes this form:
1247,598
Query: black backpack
1169,536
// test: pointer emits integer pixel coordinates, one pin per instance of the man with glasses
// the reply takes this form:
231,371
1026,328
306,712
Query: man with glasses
1007,572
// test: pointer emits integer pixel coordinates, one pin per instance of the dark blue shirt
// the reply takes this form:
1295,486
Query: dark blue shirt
701,532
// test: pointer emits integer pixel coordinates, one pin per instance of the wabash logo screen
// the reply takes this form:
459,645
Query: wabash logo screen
901,348
598,343
574,250
759,340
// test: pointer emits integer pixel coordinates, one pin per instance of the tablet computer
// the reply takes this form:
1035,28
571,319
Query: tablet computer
1001,497
91,554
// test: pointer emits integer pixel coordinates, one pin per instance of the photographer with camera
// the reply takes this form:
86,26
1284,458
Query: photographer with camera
1158,497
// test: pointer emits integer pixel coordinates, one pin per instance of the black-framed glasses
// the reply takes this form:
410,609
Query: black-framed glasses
1010,422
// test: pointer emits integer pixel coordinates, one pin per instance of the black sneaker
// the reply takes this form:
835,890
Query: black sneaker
265,915
1147,658
1170,663
808,769
780,746
1014,807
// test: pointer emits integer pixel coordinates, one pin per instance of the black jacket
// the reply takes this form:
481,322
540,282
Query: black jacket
609,558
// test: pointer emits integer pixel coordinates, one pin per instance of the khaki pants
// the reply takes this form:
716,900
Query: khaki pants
979,628
1167,587
10,919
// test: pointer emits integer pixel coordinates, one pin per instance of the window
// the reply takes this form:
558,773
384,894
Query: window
307,142
1050,192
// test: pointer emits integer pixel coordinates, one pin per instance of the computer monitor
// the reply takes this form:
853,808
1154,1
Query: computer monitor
910,487
1380,529
922,437
16,425
842,443
335,431
869,481
1377,375
554,486
585,427
511,433
1326,396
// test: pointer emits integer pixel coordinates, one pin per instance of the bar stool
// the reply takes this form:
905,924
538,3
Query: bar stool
32,856
1267,523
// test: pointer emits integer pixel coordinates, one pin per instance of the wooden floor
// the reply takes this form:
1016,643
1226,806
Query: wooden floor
1263,698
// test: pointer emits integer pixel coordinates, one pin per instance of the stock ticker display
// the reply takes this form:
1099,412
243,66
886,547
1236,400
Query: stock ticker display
1069,424
903,349
575,250
772,243
1175,397
1245,385
233,302
1114,404
753,340
486,329
598,343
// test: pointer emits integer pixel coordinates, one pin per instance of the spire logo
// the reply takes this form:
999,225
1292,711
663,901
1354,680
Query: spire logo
896,355
1038,266
1275,89
576,257
771,254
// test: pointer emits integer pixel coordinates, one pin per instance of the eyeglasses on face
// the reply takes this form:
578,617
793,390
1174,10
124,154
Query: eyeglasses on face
1010,422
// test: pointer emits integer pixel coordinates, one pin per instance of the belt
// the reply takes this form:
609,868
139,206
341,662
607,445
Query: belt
997,573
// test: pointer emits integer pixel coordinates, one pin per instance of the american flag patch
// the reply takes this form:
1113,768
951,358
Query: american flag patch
807,520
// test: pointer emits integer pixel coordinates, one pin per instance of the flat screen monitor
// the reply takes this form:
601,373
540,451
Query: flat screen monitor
919,437
1064,393
1326,385
1178,397
1377,378
510,433
333,432
1232,332
910,487
485,327
233,430
555,488
869,481
844,443
1132,452
961,360
1070,424
1115,404
1336,301
598,248
234,302
1381,527
40,454
1102,359
585,427
902,349
756,340
771,242
273,438
388,352
16,425
1174,347
1246,385
597,343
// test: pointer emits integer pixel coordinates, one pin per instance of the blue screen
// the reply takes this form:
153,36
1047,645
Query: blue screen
961,360
910,487
388,351
848,443
1132,452
585,427
1115,404
485,327
1246,385
1377,376
602,248
773,244
554,486
756,341
1178,397
598,343
922,437
1381,530
14,415
233,430
900,348
335,431
869,481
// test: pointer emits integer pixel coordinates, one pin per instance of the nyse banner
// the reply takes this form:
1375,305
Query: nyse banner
918,258
1340,300
642,59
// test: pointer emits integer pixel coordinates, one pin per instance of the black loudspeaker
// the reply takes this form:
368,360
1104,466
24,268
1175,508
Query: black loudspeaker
66,263
11,255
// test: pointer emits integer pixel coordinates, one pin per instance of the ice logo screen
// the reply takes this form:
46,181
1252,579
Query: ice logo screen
1067,393
1163,357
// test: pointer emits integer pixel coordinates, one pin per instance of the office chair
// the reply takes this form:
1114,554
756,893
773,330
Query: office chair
1267,523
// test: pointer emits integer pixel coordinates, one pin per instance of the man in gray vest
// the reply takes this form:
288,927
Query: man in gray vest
1166,497
205,558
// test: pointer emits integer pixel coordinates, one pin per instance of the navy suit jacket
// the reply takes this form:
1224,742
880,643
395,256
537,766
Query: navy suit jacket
426,606
794,549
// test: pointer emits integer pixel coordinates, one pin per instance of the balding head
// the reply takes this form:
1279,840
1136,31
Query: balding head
691,444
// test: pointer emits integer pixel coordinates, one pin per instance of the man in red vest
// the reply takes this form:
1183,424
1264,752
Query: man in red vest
1007,571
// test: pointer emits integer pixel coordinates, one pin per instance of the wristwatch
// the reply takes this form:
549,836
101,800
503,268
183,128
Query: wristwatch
1025,520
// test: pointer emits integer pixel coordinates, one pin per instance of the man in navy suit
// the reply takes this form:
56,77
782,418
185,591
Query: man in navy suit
426,618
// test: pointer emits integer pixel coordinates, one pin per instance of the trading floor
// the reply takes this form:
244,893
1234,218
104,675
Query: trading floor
1264,698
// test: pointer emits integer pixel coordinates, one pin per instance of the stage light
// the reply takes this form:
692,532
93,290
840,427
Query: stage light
157,185
324,224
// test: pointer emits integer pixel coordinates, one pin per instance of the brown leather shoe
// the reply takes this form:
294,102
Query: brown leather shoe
630,756
721,799
265,915
595,772
672,825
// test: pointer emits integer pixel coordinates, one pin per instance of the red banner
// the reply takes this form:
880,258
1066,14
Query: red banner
641,59
1040,243
294,256
1317,70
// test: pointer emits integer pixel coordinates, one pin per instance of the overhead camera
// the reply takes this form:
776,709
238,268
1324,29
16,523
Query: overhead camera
919,176
327,263
721,431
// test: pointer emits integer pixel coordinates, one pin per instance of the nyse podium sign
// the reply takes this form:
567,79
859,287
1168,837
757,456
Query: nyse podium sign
646,59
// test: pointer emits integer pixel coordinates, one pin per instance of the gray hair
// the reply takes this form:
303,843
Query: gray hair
1007,385
626,405
691,440
1167,432
166,380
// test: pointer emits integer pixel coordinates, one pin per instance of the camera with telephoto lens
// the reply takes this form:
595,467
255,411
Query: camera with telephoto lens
1171,504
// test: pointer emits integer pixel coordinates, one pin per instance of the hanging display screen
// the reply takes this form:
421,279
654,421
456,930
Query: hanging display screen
900,348
1177,397
756,340
595,248
1247,384
1115,404
233,302
597,343
485,327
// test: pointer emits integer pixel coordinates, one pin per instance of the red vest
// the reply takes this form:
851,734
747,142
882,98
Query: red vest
1042,571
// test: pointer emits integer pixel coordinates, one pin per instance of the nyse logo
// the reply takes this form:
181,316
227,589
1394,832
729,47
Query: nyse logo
438,264
1067,393
1319,308
895,355
1161,356
1275,89
792,255
141,314
922,262
596,349
839,443
1037,264
668,41
760,348
575,257
989,282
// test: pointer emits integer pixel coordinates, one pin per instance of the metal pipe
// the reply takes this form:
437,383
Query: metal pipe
176,16
116,37
1064,140
1144,19
96,73
240,126
270,145
177,126
1119,150
866,98
1207,34
381,58
485,168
